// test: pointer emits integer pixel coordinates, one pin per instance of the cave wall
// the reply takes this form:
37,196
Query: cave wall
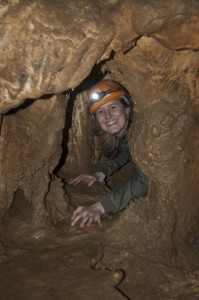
166,144
30,150
48,47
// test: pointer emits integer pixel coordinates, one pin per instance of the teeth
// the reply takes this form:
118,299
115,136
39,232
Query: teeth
111,123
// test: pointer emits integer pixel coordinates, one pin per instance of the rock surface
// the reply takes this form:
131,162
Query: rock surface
48,48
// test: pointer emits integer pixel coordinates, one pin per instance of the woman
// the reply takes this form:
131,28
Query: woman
109,105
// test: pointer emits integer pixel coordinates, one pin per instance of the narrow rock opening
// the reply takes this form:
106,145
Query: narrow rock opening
48,49
96,75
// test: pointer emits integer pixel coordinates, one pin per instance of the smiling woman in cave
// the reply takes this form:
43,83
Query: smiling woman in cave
110,107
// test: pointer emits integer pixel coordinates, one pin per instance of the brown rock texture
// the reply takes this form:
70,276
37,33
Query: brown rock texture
51,48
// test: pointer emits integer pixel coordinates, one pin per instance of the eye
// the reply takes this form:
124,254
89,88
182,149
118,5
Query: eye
113,106
99,111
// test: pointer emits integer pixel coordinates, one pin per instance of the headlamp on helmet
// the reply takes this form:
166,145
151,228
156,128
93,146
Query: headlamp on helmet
98,96
104,91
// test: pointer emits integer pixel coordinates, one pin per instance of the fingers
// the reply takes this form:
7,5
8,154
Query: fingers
99,221
76,215
76,212
86,220
76,180
80,213
92,180
87,215
83,178
89,221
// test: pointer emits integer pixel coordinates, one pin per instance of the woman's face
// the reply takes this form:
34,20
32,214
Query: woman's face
112,116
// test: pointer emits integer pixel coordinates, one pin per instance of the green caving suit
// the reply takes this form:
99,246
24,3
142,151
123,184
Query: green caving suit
134,187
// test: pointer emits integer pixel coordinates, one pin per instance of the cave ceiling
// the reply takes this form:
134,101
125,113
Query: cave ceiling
48,47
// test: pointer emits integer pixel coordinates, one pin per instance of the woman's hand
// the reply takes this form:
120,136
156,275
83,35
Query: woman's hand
88,214
90,179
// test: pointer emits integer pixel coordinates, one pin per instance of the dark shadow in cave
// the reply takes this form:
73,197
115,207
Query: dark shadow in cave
95,76
28,102
20,209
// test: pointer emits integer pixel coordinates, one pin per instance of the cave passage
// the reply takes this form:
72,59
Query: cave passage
51,53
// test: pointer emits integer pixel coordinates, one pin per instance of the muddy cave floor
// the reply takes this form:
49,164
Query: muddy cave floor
66,263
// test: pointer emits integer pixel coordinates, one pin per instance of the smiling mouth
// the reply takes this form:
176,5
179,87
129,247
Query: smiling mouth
109,124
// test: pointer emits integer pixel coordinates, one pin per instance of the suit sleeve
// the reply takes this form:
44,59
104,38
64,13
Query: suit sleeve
136,186
109,166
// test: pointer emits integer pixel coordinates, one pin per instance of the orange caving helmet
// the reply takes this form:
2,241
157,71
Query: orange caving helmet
104,91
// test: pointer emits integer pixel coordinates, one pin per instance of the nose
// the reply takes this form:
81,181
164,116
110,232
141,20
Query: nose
107,114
